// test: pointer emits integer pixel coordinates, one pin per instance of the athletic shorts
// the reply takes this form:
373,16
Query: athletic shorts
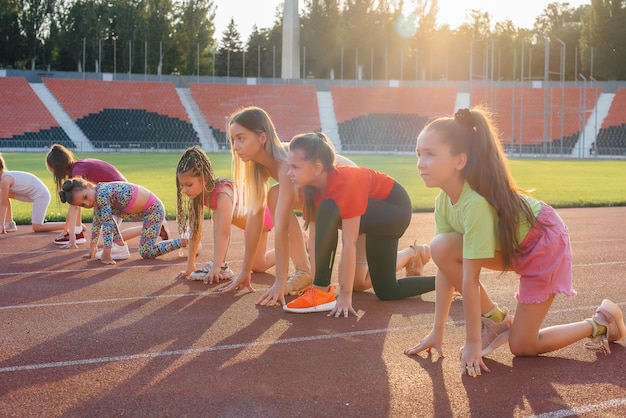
544,262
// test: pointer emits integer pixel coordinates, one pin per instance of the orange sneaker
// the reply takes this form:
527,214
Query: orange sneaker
312,299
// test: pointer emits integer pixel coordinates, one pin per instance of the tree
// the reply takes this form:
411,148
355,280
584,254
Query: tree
193,36
13,52
319,34
157,34
604,32
230,54
34,19
256,53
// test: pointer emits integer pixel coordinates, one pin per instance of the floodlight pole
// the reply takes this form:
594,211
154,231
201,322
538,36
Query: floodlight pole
562,92
546,90
595,112
581,152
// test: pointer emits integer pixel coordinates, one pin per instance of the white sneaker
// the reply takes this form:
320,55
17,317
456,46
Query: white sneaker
10,226
118,252
225,273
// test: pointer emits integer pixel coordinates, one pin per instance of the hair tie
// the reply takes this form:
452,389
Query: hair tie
465,118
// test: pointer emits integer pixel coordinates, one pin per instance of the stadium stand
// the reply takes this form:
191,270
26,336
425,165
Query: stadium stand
25,122
611,139
126,114
519,114
387,119
293,108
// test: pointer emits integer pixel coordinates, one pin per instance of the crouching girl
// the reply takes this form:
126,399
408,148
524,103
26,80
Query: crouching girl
126,201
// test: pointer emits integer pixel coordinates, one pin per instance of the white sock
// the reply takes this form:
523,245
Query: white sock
78,229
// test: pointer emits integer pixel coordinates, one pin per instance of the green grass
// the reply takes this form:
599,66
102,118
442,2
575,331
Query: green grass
560,183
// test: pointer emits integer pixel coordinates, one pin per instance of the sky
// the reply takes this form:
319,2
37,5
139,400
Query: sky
453,12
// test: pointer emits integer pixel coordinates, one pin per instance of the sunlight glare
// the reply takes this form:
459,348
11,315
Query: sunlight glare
407,22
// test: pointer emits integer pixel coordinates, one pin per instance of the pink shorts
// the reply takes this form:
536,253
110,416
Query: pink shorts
267,220
544,262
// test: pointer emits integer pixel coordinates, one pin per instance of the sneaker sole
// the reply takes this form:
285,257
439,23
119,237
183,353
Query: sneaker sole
114,256
325,307
611,309
198,276
500,339
79,241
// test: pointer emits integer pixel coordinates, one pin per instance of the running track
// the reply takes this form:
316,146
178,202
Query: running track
79,338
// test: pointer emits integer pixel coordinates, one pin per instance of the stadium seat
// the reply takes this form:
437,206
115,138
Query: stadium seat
293,108
25,122
125,113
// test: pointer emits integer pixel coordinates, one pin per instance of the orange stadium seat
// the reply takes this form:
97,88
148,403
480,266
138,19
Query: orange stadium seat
293,108
522,116
387,118
611,138
121,113
25,122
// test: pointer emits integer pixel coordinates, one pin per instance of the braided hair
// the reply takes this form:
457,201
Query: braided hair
189,211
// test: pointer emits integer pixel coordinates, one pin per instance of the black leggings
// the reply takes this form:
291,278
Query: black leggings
383,223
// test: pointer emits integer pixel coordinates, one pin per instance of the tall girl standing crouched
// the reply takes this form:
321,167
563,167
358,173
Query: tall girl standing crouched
126,201
483,220
259,155
197,187
357,200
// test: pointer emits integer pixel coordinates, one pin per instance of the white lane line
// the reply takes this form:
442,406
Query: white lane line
111,300
613,403
200,350
42,272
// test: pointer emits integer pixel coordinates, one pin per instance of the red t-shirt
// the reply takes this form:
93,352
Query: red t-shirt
350,187
96,171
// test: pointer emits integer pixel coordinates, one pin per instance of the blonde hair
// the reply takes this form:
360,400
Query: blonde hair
251,178
473,132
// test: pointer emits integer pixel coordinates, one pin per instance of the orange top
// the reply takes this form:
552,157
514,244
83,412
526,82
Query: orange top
350,188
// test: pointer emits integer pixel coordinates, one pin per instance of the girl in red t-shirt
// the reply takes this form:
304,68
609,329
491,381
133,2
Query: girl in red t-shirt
358,200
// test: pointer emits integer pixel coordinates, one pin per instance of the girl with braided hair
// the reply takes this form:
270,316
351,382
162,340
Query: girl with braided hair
198,187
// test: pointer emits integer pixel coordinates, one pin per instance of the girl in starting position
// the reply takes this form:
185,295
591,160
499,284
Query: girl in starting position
63,165
25,187
197,187
126,201
482,220
358,200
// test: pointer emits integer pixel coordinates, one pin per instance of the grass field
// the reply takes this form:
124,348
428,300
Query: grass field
561,183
